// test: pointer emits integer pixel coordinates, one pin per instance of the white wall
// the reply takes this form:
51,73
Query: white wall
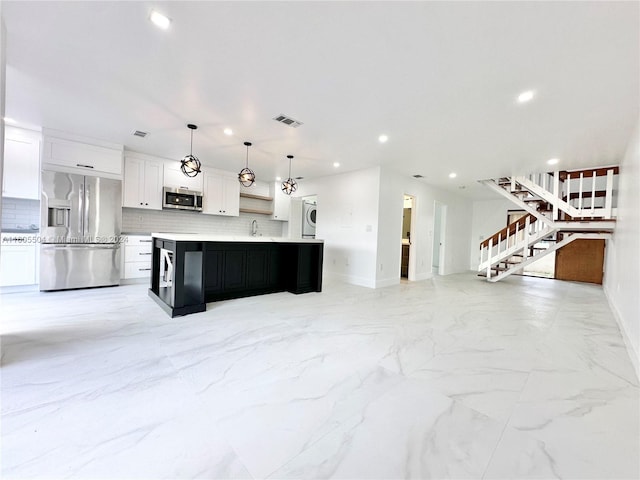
622,264
347,221
458,228
489,216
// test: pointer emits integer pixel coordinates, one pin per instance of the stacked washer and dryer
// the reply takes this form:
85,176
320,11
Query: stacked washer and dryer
308,219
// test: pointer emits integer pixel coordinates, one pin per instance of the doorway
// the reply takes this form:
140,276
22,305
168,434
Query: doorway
408,213
439,230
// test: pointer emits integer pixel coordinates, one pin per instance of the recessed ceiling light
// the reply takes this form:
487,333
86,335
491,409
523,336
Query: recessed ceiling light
9,120
228,131
160,20
336,164
278,179
553,161
383,138
453,175
527,96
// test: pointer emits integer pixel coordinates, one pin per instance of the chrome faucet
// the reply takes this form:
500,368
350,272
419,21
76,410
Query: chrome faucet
254,228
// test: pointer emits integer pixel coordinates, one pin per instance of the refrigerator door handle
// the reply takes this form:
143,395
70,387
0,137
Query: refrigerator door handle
81,208
85,221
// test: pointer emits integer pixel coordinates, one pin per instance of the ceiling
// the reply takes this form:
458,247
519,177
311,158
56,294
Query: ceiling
439,78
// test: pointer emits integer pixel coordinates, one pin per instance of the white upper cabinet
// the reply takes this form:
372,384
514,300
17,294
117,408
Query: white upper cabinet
174,178
21,177
67,154
221,194
142,183
281,203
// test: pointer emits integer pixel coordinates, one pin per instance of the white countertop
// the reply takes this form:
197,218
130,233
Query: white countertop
212,237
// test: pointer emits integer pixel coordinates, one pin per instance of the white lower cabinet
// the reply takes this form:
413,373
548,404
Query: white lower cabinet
137,257
18,261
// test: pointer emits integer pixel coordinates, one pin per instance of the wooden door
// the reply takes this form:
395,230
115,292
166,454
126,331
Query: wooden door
581,261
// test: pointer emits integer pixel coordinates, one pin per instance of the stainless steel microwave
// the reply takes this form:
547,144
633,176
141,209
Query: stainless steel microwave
182,199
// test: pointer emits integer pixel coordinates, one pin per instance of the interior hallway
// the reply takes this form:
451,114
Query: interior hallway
447,378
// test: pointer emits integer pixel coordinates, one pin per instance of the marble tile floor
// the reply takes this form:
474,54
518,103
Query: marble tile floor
452,377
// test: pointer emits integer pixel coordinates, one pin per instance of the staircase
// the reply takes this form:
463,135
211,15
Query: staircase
561,206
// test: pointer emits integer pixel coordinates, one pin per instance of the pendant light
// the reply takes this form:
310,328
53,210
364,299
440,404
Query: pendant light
289,185
246,176
190,165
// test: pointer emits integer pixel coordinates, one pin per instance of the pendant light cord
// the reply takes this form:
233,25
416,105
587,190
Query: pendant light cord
191,148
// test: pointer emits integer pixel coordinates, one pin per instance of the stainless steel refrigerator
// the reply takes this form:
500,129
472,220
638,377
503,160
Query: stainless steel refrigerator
81,220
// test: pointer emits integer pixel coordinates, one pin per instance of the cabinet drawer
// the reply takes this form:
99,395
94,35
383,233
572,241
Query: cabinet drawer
136,240
137,253
137,269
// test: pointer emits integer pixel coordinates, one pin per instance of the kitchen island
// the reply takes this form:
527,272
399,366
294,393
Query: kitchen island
189,270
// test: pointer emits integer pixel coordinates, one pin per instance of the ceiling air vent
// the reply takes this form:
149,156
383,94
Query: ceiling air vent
287,121
418,176
140,133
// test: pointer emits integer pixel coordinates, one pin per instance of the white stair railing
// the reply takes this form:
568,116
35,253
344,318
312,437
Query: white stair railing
580,195
543,253
586,196
516,239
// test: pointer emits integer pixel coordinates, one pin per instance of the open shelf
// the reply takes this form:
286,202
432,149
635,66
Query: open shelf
256,210
258,197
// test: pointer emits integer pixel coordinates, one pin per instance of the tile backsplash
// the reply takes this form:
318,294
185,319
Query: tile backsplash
20,213
135,220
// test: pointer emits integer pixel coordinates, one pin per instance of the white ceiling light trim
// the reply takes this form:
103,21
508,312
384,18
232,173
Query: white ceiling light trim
453,175
383,138
228,131
553,161
160,20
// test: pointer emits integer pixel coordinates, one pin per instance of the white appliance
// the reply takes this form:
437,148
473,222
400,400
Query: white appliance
308,220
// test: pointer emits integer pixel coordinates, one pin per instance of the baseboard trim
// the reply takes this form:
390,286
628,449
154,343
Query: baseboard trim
634,356
351,279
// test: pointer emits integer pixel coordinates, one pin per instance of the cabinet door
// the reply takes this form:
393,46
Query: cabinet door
212,194
174,178
21,168
231,195
258,267
221,194
153,185
18,265
133,185
281,204
213,271
91,159
235,264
